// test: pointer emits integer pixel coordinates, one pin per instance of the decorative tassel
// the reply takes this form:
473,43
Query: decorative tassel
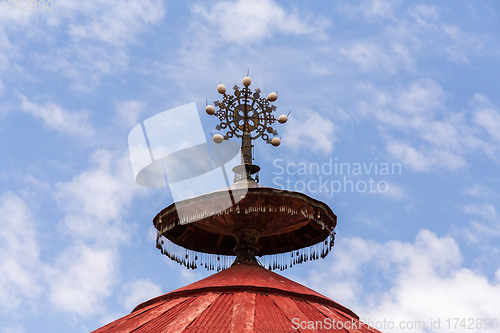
192,259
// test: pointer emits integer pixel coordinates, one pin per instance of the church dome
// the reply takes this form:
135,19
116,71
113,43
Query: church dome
243,298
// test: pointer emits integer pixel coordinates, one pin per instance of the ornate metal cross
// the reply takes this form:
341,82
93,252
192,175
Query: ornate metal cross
248,116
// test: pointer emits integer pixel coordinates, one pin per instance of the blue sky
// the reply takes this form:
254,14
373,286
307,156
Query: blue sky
372,81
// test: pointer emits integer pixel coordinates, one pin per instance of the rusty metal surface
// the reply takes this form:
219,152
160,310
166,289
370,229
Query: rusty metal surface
287,220
244,298
248,277
219,316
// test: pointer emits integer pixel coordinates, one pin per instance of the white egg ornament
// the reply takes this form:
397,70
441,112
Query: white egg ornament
211,110
218,138
276,142
221,89
272,97
247,81
282,119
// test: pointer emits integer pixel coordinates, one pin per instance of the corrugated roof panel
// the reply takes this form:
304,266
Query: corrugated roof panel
318,320
269,317
352,323
290,309
160,322
249,275
197,306
216,318
245,298
243,314
137,319
121,321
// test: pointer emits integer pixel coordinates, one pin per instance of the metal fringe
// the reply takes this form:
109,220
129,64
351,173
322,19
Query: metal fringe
193,259
203,213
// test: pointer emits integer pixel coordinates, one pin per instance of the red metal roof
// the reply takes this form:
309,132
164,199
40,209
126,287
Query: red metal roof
243,298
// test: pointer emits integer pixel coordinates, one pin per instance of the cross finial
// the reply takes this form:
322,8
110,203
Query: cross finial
248,116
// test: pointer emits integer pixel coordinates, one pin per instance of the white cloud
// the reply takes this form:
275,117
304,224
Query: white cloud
371,9
413,106
86,272
116,23
486,211
426,278
371,222
248,21
424,15
213,26
395,192
95,206
240,27
461,44
367,55
426,30
54,117
479,232
95,200
128,112
479,190
7,51
424,133
485,126
371,57
484,224
10,16
409,33
139,291
489,119
12,329
79,40
19,254
424,159
409,155
310,131
347,286
84,64
152,233
82,277
422,97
